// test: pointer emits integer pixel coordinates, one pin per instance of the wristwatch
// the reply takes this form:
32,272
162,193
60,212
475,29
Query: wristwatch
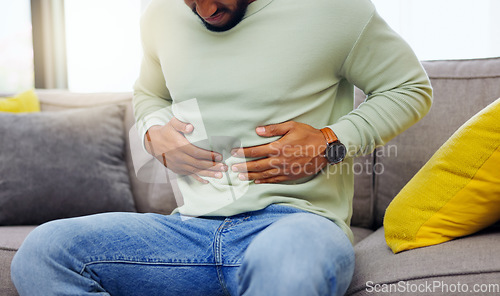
335,151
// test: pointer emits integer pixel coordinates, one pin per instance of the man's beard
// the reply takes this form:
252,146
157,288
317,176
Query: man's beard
237,16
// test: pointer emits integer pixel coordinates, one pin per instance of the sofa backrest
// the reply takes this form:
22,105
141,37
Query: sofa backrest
461,89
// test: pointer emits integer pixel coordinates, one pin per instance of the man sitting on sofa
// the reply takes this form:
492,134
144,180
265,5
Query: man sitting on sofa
250,104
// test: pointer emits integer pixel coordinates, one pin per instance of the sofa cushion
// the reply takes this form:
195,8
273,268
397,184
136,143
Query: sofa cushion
461,89
151,189
456,193
11,238
23,102
468,260
62,164
360,233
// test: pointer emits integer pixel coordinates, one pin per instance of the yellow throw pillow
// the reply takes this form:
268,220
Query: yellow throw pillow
456,193
22,103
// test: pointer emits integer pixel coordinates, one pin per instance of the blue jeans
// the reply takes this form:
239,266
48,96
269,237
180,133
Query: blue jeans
279,250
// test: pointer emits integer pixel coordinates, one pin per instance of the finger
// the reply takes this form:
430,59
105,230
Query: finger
213,171
186,165
277,179
181,127
182,145
271,149
259,165
261,175
202,154
210,174
272,130
199,179
194,166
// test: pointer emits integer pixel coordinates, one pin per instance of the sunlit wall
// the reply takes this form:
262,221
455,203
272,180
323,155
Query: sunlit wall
16,46
104,50
103,46
446,29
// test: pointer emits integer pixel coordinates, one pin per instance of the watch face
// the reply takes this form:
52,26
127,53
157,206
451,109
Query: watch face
335,152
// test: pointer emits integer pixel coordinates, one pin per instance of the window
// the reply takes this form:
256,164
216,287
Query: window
16,47
446,29
103,44
94,45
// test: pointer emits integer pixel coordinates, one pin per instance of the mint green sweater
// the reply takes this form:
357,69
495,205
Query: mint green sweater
287,60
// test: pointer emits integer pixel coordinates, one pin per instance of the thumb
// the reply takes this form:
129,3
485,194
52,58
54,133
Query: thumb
181,127
274,129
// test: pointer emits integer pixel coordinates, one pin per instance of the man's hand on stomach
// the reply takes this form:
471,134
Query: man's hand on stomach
298,153
169,145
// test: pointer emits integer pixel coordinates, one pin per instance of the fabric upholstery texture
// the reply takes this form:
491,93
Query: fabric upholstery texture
463,257
62,164
461,89
11,238
149,196
6,285
21,103
456,193
360,233
363,200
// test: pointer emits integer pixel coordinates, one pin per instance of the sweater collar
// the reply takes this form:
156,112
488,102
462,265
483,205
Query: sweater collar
256,6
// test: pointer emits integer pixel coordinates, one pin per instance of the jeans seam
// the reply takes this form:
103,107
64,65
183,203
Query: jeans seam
85,265
222,283
233,223
218,256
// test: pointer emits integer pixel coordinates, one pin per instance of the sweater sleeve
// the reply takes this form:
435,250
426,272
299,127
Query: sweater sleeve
152,101
398,90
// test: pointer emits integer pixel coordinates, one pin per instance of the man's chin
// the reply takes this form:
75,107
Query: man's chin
235,17
223,28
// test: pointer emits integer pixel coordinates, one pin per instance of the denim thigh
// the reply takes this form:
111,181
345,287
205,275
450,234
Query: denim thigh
142,254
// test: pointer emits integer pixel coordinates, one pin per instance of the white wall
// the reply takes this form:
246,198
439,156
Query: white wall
16,46
103,44
446,29
104,50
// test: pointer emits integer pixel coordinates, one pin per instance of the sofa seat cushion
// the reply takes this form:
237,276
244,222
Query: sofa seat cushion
469,260
11,238
360,233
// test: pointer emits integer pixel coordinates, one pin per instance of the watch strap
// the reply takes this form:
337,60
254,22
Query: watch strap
330,136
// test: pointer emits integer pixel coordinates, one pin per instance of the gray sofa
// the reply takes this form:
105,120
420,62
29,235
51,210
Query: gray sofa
461,88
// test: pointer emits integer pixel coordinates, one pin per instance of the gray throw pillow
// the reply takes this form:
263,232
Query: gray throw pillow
62,164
